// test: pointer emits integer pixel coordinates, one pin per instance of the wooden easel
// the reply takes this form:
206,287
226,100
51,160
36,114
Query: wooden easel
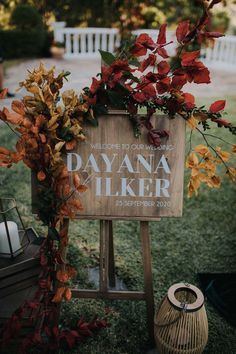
107,272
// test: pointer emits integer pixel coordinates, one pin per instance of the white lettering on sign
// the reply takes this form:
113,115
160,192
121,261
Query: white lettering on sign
133,186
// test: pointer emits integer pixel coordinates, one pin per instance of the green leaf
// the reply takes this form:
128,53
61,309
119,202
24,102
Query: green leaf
134,62
107,57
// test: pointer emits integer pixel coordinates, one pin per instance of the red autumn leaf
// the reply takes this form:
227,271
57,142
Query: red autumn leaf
149,61
163,67
106,72
162,52
139,97
142,43
217,106
155,135
95,85
18,107
149,91
146,41
189,100
202,76
221,122
163,85
161,39
120,64
189,58
182,30
213,34
178,81
41,176
138,50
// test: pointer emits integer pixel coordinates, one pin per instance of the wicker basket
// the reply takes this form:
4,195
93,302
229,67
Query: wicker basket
181,324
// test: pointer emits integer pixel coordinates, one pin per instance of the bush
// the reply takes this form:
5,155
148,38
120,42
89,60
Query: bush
22,44
26,17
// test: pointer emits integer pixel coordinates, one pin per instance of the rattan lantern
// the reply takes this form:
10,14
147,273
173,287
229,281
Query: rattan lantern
181,324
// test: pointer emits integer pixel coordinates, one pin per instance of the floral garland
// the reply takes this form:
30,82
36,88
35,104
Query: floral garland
46,129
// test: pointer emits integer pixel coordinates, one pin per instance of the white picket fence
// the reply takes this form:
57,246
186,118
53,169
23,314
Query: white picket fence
85,43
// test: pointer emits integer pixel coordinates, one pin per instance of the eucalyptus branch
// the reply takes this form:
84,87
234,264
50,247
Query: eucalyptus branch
211,147
217,137
190,141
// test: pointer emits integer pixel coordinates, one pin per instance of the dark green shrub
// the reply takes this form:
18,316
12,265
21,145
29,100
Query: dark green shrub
22,44
45,52
26,17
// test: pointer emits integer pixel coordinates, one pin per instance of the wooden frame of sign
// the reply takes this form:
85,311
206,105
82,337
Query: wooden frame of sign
128,179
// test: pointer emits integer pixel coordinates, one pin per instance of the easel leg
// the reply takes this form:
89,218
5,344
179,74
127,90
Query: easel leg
103,264
107,267
148,285
111,262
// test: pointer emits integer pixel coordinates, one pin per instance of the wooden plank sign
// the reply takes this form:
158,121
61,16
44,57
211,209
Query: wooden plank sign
128,178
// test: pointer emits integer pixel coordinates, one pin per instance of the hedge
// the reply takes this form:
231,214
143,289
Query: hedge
24,44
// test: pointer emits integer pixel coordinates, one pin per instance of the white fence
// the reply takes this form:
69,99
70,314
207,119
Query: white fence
223,55
85,43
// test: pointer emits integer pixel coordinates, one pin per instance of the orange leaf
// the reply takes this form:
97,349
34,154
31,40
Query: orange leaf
76,180
82,188
192,123
43,138
12,118
71,271
18,107
34,130
3,93
76,204
4,151
201,149
40,120
231,173
62,276
58,295
27,123
67,294
70,145
41,176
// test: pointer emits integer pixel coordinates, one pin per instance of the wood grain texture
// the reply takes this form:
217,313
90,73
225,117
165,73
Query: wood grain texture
114,137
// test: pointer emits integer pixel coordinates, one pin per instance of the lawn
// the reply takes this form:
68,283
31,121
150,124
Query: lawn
203,240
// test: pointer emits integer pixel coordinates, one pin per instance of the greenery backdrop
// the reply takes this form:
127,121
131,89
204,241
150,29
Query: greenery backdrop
203,240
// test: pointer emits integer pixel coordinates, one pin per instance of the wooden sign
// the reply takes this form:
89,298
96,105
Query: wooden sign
128,178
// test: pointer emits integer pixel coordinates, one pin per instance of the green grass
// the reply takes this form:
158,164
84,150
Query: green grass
203,240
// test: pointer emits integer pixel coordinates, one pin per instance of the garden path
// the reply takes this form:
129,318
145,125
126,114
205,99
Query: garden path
82,70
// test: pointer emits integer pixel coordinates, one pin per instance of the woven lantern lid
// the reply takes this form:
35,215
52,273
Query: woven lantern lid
196,305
